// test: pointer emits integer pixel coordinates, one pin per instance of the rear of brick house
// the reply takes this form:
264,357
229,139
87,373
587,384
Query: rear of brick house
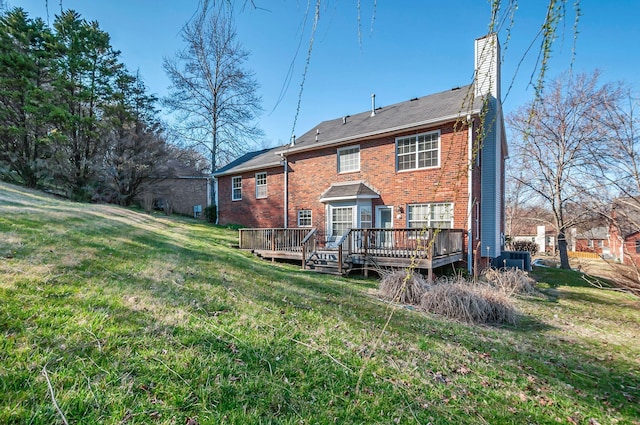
435,161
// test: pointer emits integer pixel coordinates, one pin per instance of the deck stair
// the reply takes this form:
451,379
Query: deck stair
326,261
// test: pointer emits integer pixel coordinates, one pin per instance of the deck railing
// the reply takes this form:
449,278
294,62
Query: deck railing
308,246
289,240
404,243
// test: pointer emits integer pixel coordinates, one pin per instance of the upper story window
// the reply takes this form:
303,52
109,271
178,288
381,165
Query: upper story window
430,215
419,151
349,159
261,185
236,188
304,218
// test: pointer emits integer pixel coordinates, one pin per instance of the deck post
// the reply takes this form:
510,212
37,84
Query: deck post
340,258
304,257
430,248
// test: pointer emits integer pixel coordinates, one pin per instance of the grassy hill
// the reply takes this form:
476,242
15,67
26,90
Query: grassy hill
113,316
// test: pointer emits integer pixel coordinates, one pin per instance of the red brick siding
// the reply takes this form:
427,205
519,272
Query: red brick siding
582,245
249,211
312,173
630,250
181,193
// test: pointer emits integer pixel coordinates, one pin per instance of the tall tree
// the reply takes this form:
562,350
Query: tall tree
554,142
213,94
135,143
87,68
26,60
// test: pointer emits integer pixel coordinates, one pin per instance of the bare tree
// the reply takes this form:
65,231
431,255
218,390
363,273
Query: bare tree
555,140
214,97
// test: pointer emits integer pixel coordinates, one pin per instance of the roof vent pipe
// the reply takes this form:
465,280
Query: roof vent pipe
317,133
293,140
344,119
373,105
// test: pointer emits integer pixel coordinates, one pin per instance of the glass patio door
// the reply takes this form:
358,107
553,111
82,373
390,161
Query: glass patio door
384,220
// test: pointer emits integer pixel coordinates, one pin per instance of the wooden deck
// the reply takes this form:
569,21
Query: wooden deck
364,249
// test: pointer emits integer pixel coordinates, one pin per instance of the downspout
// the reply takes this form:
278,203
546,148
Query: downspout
285,163
470,200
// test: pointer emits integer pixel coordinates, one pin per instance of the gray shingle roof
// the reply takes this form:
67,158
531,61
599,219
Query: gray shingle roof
349,191
265,158
594,233
443,106
432,109
627,215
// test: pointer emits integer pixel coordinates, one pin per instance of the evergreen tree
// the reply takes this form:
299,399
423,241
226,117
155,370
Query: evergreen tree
87,67
26,72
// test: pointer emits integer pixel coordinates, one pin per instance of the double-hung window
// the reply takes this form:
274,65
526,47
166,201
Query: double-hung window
419,151
349,159
341,220
304,218
236,188
438,215
261,185
366,217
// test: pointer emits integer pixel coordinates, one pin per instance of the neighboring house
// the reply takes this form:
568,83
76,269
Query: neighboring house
176,188
542,236
624,231
435,161
594,240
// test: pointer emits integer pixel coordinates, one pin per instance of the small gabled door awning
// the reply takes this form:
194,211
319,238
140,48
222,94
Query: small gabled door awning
348,192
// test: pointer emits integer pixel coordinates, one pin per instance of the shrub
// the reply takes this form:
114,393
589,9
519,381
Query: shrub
211,213
402,286
468,302
510,281
529,246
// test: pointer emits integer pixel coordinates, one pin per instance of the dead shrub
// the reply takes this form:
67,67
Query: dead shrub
469,302
510,281
402,286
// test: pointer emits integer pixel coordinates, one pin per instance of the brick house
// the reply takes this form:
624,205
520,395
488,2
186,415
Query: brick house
624,231
436,161
594,240
176,188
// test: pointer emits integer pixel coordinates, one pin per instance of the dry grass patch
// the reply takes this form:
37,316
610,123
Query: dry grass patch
402,286
458,298
469,302
510,281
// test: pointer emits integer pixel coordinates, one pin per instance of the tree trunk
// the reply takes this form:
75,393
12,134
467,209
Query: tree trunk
562,248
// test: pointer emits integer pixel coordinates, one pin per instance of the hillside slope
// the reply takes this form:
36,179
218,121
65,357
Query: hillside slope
112,316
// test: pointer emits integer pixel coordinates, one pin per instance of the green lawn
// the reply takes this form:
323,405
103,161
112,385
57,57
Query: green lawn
113,316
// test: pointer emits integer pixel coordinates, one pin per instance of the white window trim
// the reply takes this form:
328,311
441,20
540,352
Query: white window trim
310,218
345,148
262,185
233,188
439,151
430,205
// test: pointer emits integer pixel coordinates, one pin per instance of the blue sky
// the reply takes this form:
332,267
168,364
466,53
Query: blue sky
408,49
